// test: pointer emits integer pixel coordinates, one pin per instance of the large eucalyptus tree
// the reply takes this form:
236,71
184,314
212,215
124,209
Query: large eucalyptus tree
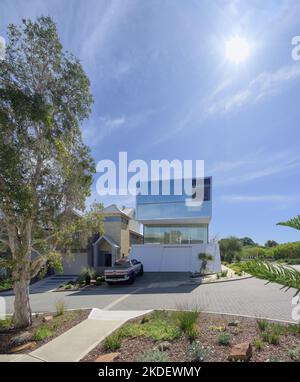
45,168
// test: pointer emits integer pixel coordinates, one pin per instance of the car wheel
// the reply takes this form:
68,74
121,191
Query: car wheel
141,271
131,279
109,283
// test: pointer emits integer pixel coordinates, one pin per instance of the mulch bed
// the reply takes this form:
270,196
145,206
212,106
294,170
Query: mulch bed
246,331
59,324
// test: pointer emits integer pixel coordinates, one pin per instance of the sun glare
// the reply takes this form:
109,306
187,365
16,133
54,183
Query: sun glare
237,50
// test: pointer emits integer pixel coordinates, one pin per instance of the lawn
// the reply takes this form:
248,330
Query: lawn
191,336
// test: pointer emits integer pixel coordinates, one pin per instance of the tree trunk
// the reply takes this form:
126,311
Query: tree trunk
22,310
20,245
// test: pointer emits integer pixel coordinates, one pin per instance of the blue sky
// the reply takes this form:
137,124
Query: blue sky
164,89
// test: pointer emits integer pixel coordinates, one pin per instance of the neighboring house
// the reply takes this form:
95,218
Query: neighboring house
175,232
121,231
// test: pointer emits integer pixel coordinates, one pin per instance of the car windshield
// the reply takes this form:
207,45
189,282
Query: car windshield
122,263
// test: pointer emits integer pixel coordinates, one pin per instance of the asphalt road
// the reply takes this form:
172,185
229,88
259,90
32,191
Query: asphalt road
249,297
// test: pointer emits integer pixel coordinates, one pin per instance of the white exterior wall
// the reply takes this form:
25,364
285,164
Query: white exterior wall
175,258
73,264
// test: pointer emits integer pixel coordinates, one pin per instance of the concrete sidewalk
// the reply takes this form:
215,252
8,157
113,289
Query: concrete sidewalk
74,344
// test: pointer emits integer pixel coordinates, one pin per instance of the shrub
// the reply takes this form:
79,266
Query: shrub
153,356
5,324
113,341
60,307
262,325
86,275
224,339
287,251
258,344
186,322
197,352
271,337
295,353
204,258
42,333
224,273
99,280
145,319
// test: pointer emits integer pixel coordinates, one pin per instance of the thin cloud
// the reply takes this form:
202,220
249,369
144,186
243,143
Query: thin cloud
254,167
266,84
259,198
100,128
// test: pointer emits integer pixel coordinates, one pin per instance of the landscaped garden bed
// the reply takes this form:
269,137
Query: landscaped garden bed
88,278
191,336
44,328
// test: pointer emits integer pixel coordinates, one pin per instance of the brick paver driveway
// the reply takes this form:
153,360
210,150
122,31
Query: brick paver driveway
173,291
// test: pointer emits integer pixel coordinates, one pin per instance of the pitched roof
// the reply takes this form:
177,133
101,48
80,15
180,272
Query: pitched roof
108,239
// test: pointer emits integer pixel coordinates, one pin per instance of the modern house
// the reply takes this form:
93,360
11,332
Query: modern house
121,231
175,229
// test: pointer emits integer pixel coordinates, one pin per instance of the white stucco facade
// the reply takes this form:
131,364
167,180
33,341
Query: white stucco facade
175,258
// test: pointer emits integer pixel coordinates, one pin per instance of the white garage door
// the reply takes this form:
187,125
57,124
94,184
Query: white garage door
176,259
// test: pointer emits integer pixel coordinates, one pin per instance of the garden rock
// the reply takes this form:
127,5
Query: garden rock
164,346
110,357
241,352
234,323
47,318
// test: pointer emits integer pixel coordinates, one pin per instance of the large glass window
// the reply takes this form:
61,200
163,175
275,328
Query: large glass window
176,234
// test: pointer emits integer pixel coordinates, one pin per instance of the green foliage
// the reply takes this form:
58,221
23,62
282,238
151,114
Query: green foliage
5,284
187,323
224,339
160,327
197,352
272,338
204,258
46,170
262,324
86,275
295,353
60,307
5,324
42,333
271,243
293,261
247,241
277,273
258,345
99,280
293,223
253,252
55,261
113,342
229,248
286,251
153,356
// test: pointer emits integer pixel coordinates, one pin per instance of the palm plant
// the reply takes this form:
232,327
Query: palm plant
273,272
277,273
293,223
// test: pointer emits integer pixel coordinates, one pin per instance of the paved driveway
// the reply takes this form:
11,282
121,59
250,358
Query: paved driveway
173,291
